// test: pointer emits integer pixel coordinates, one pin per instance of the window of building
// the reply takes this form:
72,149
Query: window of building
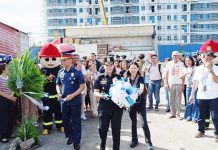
168,38
158,7
106,9
96,11
168,6
159,38
80,1
158,27
81,10
175,37
143,18
74,10
151,19
193,17
81,20
175,17
175,6
152,0
59,1
184,7
89,10
158,17
168,27
152,8
142,7
175,26
184,18
168,17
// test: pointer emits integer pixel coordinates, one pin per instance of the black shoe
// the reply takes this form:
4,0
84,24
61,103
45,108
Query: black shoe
149,108
76,146
69,141
148,146
156,108
167,110
133,144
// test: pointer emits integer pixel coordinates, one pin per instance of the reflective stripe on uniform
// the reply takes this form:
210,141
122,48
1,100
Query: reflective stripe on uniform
58,121
207,120
47,123
52,96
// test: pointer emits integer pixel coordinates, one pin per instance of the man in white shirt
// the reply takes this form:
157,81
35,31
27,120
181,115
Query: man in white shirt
155,77
206,81
174,83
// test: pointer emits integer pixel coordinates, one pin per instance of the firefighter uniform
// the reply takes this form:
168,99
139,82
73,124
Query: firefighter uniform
108,111
51,101
70,82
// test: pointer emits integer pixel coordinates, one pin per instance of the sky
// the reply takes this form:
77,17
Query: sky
24,15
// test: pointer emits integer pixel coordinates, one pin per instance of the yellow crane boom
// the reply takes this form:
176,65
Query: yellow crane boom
103,14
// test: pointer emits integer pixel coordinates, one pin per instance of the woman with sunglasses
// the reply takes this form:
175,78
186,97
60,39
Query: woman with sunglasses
133,76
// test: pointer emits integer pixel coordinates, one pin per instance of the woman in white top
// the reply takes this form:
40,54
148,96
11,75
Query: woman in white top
191,112
92,75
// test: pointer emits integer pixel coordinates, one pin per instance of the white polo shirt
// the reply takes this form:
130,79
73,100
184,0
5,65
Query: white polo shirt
202,75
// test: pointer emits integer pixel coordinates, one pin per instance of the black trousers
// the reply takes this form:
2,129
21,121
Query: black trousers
54,108
141,110
105,117
6,117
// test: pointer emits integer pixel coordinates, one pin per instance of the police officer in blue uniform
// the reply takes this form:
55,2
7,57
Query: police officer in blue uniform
70,83
108,111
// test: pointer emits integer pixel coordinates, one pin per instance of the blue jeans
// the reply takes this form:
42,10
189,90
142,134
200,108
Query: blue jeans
191,111
167,98
154,87
203,106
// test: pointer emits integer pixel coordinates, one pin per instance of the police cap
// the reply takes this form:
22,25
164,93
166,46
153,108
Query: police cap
108,60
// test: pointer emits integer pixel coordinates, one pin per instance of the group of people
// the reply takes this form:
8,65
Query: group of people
79,84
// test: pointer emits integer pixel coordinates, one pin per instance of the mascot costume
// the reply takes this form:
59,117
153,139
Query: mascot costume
49,57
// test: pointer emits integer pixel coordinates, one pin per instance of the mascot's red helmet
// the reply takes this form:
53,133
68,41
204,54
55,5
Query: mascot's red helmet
209,46
49,50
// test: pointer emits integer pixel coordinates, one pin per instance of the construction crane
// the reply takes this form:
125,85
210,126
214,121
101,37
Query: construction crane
103,14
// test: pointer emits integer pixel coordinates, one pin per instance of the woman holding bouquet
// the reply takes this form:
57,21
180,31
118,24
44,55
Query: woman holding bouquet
133,76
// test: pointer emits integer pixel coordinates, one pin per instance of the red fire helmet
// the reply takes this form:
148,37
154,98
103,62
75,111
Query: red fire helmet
209,46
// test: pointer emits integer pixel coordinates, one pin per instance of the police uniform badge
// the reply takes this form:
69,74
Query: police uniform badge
72,74
103,81
62,75
209,49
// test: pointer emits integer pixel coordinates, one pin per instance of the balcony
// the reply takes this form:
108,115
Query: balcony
61,4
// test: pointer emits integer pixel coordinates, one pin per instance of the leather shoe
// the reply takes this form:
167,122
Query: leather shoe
69,141
76,146
133,144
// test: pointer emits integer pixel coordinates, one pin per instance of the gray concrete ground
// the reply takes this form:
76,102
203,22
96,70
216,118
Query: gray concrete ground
167,134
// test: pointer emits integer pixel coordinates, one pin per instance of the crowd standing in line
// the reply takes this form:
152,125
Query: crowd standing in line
82,84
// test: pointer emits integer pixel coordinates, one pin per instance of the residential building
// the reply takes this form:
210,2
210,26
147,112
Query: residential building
178,22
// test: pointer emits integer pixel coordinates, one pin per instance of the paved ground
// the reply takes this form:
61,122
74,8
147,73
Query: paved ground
167,134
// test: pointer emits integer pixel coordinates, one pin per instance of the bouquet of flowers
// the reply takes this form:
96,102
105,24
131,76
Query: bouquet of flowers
123,94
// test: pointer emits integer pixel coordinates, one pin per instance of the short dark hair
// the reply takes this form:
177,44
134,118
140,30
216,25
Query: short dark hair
92,54
2,67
